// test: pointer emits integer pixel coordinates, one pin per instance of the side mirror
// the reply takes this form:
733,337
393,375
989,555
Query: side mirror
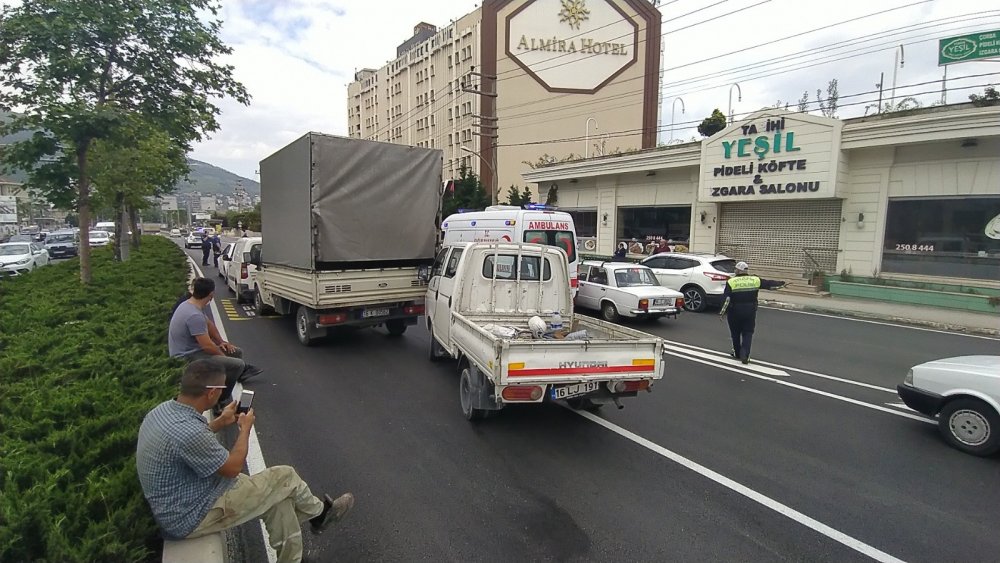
226,258
424,274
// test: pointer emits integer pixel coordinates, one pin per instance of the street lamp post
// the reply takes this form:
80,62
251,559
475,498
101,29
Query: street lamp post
897,63
673,110
586,150
493,172
738,99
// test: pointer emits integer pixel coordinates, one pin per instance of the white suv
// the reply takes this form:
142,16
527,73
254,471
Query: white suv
700,277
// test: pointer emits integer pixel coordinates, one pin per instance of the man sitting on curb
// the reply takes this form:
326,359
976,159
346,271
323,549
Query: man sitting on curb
195,487
194,336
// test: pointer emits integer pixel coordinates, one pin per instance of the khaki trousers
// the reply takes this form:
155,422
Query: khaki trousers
278,496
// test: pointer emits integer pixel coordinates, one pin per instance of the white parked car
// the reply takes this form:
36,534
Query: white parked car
175,233
964,393
100,238
628,290
18,258
225,258
240,273
700,277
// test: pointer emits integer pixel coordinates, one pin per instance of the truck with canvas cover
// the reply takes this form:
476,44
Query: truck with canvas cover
349,233
504,311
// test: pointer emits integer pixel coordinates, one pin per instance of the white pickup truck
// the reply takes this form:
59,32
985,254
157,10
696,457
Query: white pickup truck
480,299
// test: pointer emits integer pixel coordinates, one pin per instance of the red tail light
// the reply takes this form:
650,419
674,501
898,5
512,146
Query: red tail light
243,272
574,282
332,319
522,393
413,310
630,386
716,277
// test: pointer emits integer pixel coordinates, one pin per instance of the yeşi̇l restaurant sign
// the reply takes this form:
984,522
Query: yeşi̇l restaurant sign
772,155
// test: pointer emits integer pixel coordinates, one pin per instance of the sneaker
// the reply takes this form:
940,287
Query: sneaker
745,361
333,511
250,371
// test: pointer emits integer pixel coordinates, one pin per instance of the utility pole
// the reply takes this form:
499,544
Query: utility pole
487,122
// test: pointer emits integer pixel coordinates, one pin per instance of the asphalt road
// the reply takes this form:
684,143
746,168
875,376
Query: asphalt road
805,455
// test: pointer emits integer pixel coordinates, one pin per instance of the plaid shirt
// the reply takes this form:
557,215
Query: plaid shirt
177,458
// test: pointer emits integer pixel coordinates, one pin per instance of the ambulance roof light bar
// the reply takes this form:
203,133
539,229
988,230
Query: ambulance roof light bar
540,207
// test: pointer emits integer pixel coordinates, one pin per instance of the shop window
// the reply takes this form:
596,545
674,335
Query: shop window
949,237
585,222
654,223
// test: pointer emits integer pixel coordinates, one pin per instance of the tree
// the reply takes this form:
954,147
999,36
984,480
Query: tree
990,97
804,102
77,70
829,107
519,198
139,162
468,193
713,124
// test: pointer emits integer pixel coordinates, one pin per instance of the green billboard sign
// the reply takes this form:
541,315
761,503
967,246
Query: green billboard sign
971,47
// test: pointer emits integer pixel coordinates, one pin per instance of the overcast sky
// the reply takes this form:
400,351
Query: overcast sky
296,58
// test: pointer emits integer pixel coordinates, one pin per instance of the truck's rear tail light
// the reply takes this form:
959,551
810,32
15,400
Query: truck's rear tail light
522,393
413,310
573,282
679,303
630,386
332,319
243,272
644,304
716,277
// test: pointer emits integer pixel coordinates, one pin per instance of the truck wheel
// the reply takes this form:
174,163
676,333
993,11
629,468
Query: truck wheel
971,426
694,299
437,352
396,327
303,326
258,304
608,312
465,396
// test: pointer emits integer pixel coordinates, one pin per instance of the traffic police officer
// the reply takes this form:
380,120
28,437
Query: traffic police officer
740,308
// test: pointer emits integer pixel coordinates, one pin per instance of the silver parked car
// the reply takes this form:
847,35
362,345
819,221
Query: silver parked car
700,277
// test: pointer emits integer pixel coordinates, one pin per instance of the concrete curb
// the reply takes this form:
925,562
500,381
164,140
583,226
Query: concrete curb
878,317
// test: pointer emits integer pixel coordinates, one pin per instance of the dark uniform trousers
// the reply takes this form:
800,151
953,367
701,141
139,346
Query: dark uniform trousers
742,321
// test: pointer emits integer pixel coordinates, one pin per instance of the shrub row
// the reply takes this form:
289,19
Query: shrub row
79,368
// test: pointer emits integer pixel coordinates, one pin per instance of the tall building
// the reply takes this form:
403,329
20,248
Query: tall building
516,81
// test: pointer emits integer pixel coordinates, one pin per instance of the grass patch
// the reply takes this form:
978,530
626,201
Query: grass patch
79,368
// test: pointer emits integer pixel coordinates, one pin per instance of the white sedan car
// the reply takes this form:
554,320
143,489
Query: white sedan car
964,393
100,238
18,258
618,289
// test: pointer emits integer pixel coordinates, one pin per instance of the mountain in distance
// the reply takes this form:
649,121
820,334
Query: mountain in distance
209,179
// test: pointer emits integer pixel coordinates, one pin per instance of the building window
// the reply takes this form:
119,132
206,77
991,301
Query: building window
950,237
585,221
654,223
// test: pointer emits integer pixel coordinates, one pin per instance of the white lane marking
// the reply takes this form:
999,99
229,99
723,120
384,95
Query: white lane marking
726,359
255,457
767,502
805,371
900,406
804,388
925,329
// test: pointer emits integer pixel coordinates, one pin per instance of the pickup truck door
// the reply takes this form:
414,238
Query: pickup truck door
443,294
430,299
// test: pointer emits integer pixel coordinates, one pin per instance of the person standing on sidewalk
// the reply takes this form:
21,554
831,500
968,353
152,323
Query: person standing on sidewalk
740,308
195,487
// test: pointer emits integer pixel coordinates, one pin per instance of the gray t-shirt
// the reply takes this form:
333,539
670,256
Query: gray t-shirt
178,459
188,322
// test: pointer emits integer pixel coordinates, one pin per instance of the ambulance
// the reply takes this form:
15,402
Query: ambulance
534,223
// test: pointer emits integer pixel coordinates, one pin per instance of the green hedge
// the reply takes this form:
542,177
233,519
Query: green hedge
79,368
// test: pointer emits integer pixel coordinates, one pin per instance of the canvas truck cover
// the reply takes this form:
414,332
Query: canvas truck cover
329,202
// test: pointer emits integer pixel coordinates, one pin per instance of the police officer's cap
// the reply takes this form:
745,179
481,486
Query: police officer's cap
742,267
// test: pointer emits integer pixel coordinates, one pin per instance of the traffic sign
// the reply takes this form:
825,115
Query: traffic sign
971,47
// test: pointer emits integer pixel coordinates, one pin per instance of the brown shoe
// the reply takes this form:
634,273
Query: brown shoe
333,511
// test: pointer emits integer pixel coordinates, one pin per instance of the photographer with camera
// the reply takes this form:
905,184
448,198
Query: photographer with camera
195,487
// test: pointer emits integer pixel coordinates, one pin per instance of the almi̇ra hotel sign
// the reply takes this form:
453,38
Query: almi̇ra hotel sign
772,155
572,45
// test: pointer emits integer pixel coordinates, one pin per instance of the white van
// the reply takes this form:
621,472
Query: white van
240,272
106,226
534,223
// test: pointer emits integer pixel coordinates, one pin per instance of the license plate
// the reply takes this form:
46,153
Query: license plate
568,391
375,313
661,302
